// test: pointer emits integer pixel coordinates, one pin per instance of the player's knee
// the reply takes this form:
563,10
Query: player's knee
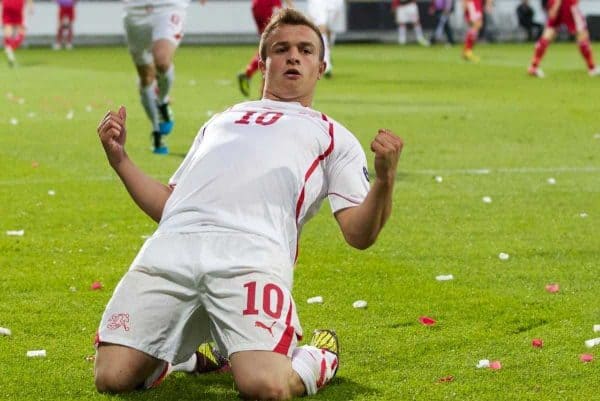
162,65
109,380
264,386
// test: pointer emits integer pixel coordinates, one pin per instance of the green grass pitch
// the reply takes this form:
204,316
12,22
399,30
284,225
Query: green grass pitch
486,129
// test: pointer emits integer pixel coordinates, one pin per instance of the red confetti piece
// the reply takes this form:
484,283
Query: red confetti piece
586,358
552,288
96,285
446,379
495,365
35,164
427,321
537,343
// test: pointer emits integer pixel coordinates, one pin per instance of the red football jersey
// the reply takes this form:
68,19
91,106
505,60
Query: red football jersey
13,4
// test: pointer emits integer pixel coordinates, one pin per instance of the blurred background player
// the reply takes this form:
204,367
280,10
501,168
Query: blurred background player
473,10
407,12
13,26
326,14
525,15
66,17
262,10
563,12
154,29
441,10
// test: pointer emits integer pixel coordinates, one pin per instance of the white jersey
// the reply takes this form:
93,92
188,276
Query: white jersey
133,5
263,168
325,12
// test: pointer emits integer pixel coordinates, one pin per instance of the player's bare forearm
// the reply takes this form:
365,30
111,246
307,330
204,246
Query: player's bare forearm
149,194
362,224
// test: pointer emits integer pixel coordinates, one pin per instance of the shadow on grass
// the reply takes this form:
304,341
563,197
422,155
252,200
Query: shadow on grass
219,387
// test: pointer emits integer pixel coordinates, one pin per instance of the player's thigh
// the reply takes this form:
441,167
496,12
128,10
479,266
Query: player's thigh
163,51
138,33
156,307
254,311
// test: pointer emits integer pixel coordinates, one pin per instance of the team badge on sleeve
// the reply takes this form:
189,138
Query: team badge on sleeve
366,173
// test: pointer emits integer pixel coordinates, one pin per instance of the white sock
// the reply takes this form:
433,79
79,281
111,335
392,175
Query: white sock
402,35
327,53
161,371
164,83
314,366
187,366
419,33
148,98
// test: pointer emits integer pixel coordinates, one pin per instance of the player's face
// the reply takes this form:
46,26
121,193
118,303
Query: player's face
292,67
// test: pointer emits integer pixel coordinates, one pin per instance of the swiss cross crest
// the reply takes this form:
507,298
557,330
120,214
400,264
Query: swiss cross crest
118,320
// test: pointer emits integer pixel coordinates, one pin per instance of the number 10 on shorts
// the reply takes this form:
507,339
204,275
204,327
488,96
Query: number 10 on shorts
272,299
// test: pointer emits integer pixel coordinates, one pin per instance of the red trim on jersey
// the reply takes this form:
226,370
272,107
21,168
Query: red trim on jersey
309,172
283,346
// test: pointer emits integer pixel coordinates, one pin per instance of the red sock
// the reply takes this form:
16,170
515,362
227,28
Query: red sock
18,40
538,54
252,66
8,42
470,39
586,51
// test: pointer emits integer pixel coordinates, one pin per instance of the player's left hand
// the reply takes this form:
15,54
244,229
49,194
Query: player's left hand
387,147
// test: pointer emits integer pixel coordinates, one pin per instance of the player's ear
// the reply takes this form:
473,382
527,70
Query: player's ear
322,67
262,66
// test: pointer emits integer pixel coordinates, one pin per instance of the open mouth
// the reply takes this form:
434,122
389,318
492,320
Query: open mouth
292,72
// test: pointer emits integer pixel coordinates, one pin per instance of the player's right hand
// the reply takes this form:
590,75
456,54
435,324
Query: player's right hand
112,131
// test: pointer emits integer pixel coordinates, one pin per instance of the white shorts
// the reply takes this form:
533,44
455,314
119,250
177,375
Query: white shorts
184,289
143,27
325,12
407,14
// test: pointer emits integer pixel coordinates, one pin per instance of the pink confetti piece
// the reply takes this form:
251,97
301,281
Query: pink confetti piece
427,321
537,343
495,365
586,358
552,288
35,164
446,379
96,285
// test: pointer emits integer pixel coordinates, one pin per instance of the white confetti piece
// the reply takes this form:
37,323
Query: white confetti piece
583,215
51,192
14,121
15,233
88,108
360,304
444,277
5,332
70,115
72,289
209,113
192,82
36,353
9,95
483,363
438,178
223,82
551,181
315,300
31,114
597,136
503,256
592,342
597,328
21,100
486,199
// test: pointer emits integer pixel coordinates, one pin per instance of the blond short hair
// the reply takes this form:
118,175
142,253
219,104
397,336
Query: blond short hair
288,16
